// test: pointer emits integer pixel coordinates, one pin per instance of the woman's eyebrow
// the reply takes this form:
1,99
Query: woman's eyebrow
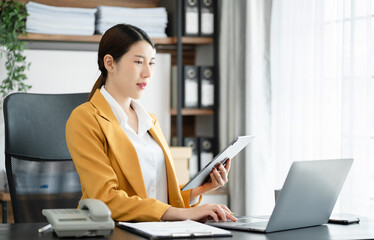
141,56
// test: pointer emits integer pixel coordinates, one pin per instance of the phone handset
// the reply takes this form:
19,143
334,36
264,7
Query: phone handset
97,210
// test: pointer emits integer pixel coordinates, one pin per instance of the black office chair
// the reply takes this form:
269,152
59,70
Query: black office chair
40,171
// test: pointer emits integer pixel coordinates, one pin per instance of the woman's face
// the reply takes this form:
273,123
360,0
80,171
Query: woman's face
132,73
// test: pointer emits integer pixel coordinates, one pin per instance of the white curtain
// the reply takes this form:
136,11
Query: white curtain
260,166
322,81
232,93
245,101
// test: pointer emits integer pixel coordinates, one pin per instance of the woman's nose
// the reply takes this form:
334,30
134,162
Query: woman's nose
146,73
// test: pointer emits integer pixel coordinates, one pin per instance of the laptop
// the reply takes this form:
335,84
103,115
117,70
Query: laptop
307,198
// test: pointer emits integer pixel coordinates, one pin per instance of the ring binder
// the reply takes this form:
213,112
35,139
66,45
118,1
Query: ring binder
206,18
206,87
206,151
190,17
190,87
194,159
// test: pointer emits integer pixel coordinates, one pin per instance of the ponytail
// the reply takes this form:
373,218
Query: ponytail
98,84
117,41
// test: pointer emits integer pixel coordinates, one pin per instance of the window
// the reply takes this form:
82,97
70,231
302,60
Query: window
323,90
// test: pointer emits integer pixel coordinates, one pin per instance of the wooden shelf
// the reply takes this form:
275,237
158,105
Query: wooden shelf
192,111
60,38
79,38
96,38
195,40
95,3
185,40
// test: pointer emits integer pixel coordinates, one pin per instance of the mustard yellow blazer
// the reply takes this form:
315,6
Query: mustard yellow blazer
108,165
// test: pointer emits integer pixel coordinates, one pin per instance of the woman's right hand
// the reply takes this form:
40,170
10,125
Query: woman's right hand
201,213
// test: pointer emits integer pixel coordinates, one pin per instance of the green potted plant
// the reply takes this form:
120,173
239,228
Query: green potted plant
13,23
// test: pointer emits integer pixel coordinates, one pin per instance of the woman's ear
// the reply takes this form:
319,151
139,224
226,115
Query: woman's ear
109,63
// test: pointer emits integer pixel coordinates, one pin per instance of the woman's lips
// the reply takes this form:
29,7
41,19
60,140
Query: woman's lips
142,85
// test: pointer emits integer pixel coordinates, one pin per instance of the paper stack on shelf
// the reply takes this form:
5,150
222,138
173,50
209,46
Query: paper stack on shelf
47,19
152,20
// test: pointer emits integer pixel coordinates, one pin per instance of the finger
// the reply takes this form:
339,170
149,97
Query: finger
221,213
225,208
218,178
229,214
228,165
231,217
212,178
223,173
213,215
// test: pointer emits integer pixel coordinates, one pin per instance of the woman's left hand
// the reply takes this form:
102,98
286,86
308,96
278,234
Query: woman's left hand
218,178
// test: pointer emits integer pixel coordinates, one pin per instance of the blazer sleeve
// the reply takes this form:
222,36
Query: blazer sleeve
88,148
186,195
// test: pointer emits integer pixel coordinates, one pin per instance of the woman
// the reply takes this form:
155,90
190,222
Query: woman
118,149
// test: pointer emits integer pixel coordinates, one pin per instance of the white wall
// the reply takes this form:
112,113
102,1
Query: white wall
56,71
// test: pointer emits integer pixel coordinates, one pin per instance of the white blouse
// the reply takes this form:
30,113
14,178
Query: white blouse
150,154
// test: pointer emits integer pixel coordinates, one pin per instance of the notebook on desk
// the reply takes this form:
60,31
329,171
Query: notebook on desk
307,198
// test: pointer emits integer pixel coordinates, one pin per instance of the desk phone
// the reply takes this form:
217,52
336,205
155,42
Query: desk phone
93,219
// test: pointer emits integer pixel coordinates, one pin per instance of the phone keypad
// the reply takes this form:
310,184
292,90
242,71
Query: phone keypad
66,211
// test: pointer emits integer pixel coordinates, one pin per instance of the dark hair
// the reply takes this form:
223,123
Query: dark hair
117,41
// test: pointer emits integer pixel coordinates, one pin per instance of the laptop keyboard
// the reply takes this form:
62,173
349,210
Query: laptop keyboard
255,225
243,223
246,224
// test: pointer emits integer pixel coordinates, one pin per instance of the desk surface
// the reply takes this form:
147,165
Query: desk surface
363,230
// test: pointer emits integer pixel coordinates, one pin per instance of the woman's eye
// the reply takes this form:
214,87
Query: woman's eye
139,62
152,63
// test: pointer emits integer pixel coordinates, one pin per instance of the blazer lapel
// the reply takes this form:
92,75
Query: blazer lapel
123,150
175,197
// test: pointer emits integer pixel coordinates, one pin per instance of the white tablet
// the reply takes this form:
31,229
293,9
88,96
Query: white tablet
229,152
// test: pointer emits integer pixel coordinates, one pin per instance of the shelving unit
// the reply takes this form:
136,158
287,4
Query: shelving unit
184,120
183,51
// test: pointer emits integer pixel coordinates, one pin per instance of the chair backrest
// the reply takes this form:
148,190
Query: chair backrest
40,171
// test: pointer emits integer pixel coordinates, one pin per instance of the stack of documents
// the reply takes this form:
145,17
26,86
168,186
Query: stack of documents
152,20
47,19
